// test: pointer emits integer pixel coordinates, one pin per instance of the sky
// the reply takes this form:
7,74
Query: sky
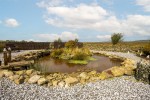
86,20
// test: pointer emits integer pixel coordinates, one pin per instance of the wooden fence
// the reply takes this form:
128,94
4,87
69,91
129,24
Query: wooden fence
35,45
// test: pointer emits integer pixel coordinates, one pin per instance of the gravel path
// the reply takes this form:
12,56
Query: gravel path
121,54
121,88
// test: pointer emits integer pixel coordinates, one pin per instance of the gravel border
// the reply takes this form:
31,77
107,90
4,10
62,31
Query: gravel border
119,88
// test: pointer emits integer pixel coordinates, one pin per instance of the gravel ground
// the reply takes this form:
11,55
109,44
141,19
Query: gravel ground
120,88
125,55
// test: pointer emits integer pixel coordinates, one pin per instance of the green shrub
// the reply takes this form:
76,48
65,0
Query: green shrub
80,56
146,49
1,47
116,38
56,53
71,44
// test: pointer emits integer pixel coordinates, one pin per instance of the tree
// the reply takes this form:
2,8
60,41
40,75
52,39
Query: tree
116,38
76,40
58,40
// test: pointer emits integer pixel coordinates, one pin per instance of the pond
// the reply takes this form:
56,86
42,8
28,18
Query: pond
51,65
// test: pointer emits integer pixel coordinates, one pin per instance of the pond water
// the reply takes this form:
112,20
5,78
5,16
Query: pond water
50,65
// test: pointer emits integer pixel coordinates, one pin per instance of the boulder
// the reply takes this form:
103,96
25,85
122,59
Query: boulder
11,78
26,79
129,70
19,81
8,73
29,72
67,85
34,79
71,80
41,81
103,76
34,73
117,71
20,72
94,78
16,77
50,84
1,74
82,81
92,72
54,82
49,77
61,84
84,75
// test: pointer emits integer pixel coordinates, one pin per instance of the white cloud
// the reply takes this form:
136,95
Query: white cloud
94,17
29,40
145,4
136,25
47,3
104,37
11,22
65,36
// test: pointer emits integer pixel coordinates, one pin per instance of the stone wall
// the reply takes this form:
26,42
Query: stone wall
142,72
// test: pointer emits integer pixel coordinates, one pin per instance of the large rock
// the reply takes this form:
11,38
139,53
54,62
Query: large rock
54,82
61,84
92,72
20,72
49,77
34,79
19,81
14,77
41,81
103,76
94,78
50,84
1,74
82,81
117,71
29,72
84,75
11,78
129,70
71,80
8,73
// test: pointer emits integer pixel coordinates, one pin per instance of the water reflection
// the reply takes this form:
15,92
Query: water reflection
50,65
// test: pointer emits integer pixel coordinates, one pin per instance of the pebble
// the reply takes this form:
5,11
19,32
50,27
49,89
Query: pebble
119,88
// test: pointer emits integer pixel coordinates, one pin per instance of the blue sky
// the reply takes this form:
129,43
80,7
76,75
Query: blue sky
87,20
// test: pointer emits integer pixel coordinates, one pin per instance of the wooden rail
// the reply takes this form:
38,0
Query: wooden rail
17,64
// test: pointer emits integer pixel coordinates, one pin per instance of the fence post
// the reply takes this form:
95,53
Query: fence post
9,54
5,56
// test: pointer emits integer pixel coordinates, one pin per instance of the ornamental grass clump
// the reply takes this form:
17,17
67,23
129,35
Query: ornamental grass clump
56,53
